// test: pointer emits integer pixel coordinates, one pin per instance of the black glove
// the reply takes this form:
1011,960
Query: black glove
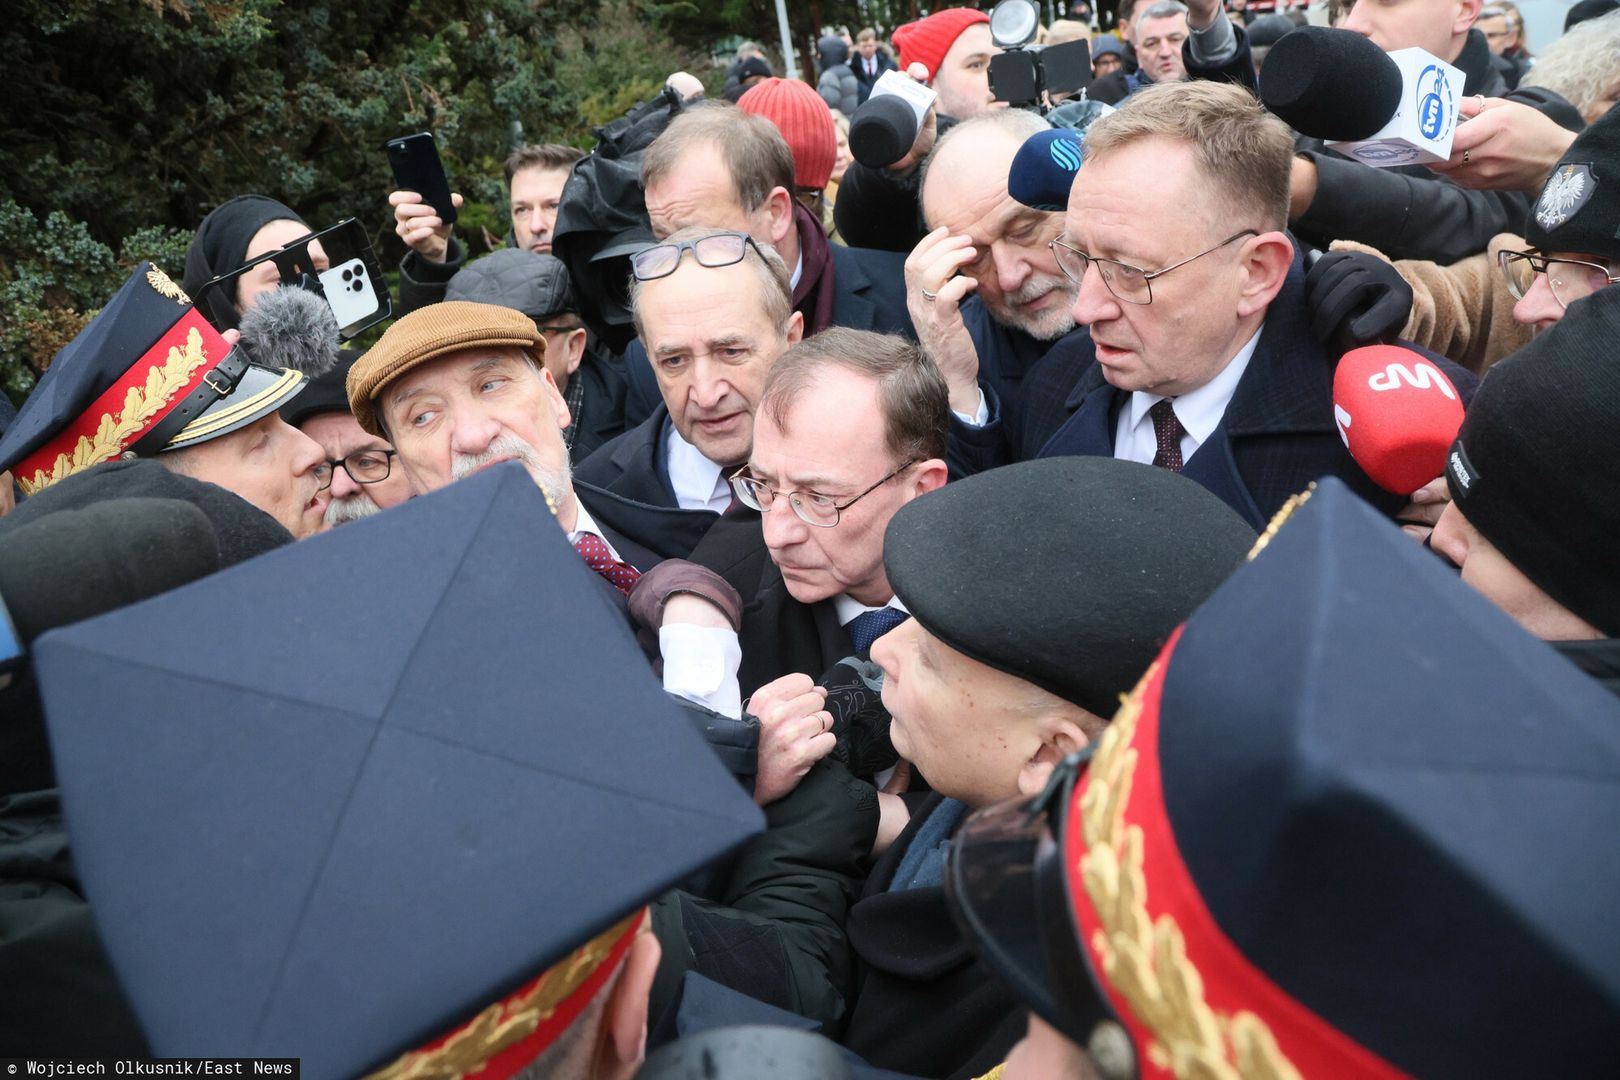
860,722
1356,300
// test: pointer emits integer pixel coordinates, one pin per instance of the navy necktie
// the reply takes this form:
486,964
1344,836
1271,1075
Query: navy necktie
868,626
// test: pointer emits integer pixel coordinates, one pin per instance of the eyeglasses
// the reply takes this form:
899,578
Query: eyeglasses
714,251
363,467
1130,284
1569,279
813,508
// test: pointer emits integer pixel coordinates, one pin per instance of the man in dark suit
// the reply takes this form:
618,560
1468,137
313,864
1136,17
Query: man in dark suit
869,63
1200,356
723,168
713,332
851,426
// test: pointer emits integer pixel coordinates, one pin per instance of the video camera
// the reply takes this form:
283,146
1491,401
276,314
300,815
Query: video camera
1024,75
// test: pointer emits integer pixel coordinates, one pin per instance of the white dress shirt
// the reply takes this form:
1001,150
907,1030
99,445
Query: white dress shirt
699,483
849,609
1199,411
584,523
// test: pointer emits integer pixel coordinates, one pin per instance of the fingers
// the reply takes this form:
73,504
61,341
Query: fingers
917,72
791,685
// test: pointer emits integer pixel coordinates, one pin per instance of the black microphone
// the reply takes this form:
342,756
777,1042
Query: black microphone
1333,85
882,131
75,564
292,328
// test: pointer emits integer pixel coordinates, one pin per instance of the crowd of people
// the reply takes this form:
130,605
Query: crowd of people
1054,682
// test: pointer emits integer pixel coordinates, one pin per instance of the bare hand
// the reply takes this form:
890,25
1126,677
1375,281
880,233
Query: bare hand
795,732
685,84
1301,187
694,610
1201,13
1508,146
1428,502
931,270
419,226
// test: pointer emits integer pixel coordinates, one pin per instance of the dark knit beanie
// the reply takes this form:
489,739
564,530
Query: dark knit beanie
1578,209
1536,466
222,239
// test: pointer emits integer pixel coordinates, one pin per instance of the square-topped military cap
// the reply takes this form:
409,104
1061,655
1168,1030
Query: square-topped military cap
332,802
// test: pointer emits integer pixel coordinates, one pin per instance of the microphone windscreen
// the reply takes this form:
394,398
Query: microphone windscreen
292,328
1043,170
882,130
75,564
1331,84
1397,413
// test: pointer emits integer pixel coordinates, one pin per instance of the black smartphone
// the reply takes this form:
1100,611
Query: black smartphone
415,159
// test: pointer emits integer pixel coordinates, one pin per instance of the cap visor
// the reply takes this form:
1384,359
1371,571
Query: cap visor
260,392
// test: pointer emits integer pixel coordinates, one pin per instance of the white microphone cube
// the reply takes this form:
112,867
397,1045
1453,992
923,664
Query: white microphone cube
1421,130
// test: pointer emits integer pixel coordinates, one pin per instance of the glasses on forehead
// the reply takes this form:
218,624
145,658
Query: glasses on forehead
363,467
1130,284
715,250
1569,279
813,508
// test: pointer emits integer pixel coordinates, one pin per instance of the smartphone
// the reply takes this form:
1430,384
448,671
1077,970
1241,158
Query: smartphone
415,160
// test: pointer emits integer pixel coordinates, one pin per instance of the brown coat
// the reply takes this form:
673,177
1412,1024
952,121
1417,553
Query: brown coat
1463,311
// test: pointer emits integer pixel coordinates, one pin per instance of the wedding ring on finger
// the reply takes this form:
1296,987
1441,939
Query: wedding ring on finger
1465,157
929,296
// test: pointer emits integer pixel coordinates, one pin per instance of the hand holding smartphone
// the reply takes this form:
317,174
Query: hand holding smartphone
416,165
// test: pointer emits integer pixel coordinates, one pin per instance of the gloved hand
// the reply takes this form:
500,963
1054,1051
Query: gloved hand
1356,299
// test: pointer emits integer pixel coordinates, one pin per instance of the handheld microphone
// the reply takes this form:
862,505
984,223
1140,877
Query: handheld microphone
1381,109
881,131
74,564
1397,413
1042,171
292,328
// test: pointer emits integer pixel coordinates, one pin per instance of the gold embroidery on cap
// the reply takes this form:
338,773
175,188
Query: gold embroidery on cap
1280,518
162,284
140,405
506,1023
1145,959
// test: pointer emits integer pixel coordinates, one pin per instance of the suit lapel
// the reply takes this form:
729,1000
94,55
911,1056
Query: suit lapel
851,308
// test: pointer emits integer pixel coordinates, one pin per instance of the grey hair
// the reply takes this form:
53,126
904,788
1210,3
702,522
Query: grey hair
1161,9
1583,65
1016,124
775,292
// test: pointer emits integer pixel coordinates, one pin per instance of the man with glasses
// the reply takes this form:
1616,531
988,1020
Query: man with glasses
359,469
592,384
851,426
1204,359
713,311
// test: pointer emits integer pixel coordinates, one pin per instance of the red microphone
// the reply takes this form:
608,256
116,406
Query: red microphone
1397,413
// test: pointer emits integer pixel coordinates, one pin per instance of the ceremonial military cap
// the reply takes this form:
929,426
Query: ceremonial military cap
402,788
147,374
1352,822
1067,572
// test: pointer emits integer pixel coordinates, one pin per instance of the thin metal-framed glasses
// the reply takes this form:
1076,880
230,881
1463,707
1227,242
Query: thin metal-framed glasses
714,251
363,467
1129,284
812,507
1569,279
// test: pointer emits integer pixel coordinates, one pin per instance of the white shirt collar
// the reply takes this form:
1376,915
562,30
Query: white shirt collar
584,523
798,271
699,483
849,608
1199,410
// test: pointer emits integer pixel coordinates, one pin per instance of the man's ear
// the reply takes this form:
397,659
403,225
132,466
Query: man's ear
558,404
779,205
929,475
1265,262
1467,14
795,328
1061,734
576,349
625,1024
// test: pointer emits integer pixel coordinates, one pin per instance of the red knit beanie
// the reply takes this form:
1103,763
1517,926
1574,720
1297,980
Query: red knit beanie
805,122
926,41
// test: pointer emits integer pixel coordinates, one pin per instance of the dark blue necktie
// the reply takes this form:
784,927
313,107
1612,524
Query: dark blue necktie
868,626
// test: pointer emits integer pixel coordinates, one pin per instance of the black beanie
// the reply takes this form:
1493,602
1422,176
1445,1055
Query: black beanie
1578,209
222,240
1536,466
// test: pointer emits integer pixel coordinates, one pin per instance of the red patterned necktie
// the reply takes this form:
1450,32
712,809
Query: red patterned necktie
600,558
1167,432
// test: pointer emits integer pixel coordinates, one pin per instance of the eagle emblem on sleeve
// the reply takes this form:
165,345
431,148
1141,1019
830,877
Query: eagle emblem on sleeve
1566,191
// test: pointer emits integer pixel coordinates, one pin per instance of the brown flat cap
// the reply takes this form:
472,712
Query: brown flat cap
427,334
